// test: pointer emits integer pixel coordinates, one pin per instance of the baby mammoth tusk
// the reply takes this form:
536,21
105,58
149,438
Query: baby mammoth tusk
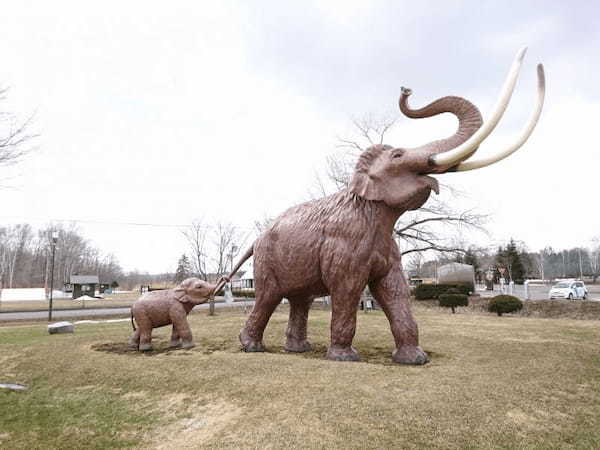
497,156
464,150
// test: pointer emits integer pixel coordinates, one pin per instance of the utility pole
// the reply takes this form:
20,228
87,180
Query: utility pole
54,240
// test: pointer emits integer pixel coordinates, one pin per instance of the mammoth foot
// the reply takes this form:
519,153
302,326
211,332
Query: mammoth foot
175,344
412,355
145,347
187,345
337,353
297,346
250,345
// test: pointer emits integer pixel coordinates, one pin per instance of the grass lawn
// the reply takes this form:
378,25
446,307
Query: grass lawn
123,300
110,301
494,382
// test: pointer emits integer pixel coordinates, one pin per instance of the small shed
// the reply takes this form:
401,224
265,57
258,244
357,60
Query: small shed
84,285
456,273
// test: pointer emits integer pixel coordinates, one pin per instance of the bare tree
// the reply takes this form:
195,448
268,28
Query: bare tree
227,245
594,256
14,136
196,238
262,224
436,227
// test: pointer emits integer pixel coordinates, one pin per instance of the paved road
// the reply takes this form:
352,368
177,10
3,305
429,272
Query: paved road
538,292
70,313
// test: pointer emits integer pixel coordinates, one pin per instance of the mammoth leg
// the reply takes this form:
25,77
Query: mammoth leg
175,338
392,293
134,340
344,306
251,335
296,330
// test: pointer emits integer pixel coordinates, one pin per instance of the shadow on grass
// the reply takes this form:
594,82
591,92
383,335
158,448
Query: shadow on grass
378,355
370,355
161,347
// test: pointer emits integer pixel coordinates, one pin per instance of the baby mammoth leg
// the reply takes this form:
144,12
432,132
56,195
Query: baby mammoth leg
145,332
182,327
175,338
297,324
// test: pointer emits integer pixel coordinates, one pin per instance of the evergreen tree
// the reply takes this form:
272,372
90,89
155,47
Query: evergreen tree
510,258
183,269
471,259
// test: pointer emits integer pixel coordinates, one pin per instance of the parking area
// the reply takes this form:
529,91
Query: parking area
536,292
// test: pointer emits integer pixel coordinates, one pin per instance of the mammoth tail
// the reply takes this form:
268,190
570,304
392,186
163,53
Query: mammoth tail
241,261
132,322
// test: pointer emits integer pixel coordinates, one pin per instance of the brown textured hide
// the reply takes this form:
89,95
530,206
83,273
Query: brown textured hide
159,308
339,244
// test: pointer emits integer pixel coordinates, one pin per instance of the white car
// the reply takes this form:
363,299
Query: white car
569,290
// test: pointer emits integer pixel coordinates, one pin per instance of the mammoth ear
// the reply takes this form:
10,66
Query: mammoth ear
181,295
181,291
363,183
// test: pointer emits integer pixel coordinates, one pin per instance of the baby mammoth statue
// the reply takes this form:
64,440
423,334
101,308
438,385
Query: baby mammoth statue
159,308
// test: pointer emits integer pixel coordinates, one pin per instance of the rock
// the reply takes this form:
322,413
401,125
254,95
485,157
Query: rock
60,327
14,387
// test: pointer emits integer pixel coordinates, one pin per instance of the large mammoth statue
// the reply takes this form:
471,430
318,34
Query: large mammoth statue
339,244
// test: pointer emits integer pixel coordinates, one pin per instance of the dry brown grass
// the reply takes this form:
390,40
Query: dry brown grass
110,301
493,382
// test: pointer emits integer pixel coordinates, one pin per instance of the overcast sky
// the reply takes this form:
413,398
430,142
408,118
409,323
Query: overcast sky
163,112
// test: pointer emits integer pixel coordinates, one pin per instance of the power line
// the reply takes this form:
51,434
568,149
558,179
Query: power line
104,222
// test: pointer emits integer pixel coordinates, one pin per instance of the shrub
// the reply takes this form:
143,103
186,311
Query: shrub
433,291
426,291
243,293
453,300
501,304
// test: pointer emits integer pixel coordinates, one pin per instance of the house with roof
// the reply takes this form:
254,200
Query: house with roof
82,285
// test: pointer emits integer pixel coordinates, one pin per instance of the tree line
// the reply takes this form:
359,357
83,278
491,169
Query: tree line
25,257
519,263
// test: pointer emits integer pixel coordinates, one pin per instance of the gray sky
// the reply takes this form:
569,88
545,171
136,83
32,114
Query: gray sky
162,112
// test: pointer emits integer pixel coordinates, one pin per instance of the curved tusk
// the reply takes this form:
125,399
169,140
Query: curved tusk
482,162
464,150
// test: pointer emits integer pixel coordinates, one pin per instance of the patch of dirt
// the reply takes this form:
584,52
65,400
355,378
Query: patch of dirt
161,348
200,422
377,355
522,419
136,395
9,365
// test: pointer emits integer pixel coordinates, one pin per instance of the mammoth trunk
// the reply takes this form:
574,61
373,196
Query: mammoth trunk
469,120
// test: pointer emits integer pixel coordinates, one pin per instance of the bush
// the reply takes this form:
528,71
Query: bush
433,291
453,300
501,304
243,294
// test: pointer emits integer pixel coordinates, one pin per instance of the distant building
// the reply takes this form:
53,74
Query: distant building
246,280
83,285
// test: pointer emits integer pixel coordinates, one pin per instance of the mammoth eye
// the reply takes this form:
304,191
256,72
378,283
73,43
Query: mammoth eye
397,155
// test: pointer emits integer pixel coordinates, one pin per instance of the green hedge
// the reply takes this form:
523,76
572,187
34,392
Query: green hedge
502,304
243,293
453,300
433,291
